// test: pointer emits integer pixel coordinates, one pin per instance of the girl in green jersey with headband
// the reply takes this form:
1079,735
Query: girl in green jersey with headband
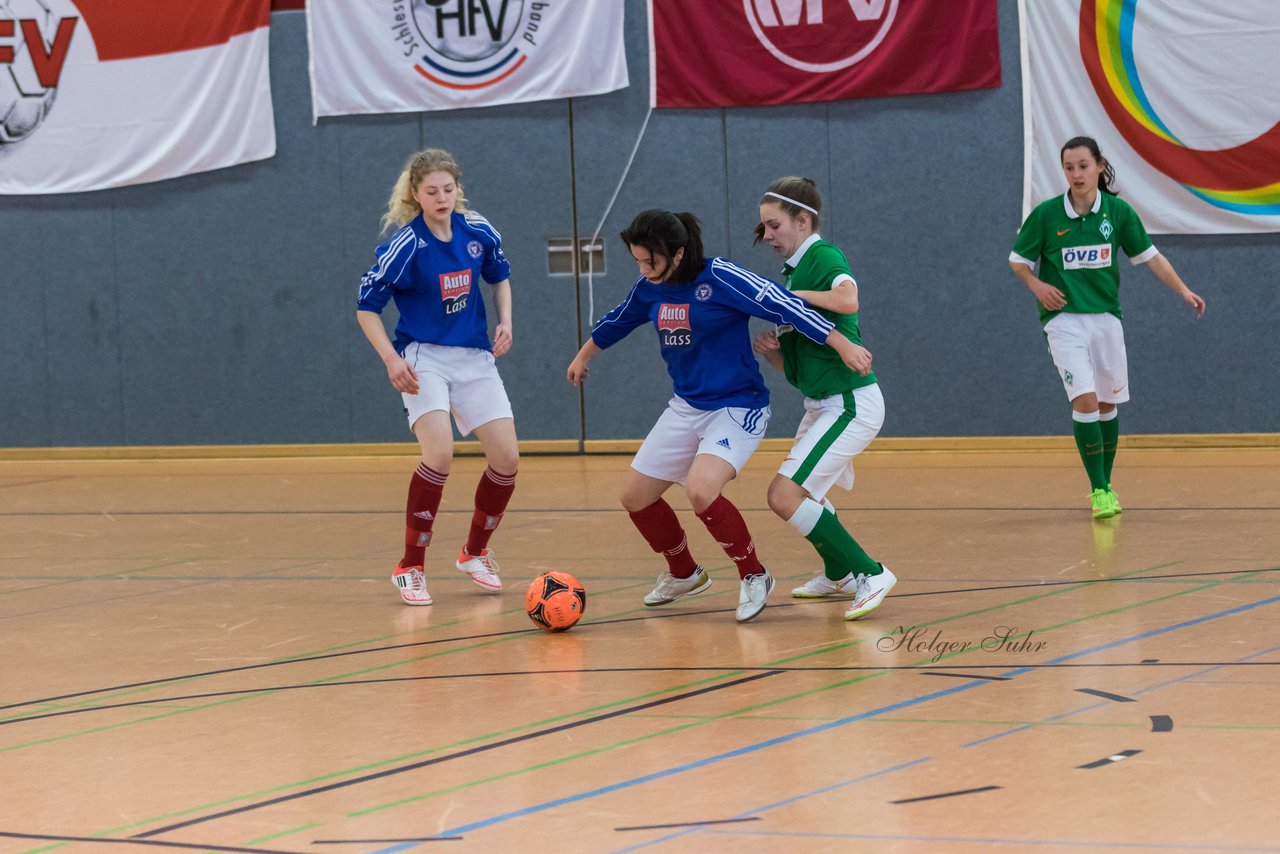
843,408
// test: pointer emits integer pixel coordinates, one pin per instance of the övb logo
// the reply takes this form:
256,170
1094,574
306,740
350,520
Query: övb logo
468,44
820,36
1086,257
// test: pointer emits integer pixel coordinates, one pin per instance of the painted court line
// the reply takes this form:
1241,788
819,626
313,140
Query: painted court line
841,722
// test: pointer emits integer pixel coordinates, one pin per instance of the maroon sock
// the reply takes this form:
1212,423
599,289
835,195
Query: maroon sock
658,524
426,487
492,495
730,530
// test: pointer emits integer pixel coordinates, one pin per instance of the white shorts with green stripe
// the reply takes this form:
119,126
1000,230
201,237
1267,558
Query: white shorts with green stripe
833,431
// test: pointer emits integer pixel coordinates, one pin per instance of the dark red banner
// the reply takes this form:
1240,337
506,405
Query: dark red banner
730,53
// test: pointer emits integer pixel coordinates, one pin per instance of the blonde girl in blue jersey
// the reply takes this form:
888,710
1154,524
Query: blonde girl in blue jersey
441,360
1074,238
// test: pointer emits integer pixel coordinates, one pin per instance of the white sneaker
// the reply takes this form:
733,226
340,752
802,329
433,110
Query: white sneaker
820,586
412,582
482,568
670,588
869,593
755,591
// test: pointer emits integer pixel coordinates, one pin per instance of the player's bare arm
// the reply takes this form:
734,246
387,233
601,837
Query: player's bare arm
1165,273
399,372
1049,296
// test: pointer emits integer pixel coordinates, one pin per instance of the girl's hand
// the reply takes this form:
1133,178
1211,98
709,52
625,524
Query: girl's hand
765,342
1195,302
402,376
577,371
502,339
857,357
1049,296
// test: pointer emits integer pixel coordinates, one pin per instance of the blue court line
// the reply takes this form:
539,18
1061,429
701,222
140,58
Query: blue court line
1159,846
751,748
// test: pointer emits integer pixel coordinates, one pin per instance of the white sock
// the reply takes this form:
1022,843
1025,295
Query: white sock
806,517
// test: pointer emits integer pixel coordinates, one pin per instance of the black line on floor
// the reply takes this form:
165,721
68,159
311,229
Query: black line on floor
1150,660
1161,723
1115,698
565,510
1110,760
945,795
200,847
968,676
652,616
471,751
689,824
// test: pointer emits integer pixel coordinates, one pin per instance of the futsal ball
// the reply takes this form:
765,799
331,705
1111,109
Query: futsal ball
555,601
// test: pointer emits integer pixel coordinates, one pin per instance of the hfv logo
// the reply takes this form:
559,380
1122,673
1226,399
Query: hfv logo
787,13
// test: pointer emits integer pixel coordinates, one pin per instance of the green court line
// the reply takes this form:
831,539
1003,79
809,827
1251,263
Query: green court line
95,577
1056,591
281,834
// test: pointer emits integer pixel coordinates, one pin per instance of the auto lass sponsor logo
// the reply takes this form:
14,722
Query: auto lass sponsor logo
674,326
454,288
468,44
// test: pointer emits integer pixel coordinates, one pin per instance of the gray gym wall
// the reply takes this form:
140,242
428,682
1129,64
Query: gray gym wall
219,308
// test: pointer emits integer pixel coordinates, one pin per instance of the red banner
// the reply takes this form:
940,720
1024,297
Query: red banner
731,53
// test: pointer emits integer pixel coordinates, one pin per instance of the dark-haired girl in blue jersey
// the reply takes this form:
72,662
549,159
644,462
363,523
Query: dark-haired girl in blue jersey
441,360
700,308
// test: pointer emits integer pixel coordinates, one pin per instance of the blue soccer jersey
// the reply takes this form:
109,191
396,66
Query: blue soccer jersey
703,330
431,281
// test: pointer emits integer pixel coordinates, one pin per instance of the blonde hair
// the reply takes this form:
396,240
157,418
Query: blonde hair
402,206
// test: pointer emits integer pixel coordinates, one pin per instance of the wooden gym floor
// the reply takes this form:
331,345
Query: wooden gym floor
207,655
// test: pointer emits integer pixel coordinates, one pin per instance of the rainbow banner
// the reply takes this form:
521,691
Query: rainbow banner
1178,94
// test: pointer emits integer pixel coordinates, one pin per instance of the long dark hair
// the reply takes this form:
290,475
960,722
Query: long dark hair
802,190
1107,180
665,233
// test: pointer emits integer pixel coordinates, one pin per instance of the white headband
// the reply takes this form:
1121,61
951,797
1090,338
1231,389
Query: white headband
792,201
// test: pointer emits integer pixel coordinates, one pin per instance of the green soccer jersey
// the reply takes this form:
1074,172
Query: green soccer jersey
1077,253
815,369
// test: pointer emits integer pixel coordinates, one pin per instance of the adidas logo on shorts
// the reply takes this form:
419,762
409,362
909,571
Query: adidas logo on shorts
724,443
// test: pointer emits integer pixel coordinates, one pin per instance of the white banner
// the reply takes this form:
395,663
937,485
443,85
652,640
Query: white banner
105,93
1180,94
395,56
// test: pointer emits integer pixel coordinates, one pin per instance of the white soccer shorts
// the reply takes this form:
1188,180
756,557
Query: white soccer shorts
1088,351
833,431
463,380
683,432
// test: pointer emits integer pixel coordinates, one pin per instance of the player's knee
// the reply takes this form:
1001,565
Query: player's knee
505,463
702,495
440,460
783,501
1087,402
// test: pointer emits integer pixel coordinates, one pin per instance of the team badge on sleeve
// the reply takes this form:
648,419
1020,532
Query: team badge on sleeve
474,249
703,292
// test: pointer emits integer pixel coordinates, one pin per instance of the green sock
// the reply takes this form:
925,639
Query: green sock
1110,440
1089,443
840,552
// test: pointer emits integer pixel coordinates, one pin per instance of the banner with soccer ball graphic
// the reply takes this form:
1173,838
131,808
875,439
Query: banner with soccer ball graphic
106,93
395,56
1181,96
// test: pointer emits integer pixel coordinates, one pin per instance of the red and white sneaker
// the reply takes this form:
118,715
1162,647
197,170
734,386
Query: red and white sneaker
482,568
412,583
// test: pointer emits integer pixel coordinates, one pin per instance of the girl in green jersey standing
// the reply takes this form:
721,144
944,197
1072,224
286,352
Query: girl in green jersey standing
1075,237
843,408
